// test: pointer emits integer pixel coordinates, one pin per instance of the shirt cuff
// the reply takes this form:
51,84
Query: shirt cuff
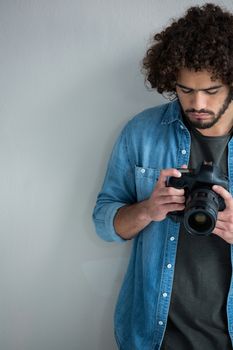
105,228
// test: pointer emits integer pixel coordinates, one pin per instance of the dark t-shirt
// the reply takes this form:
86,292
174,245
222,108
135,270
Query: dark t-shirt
197,316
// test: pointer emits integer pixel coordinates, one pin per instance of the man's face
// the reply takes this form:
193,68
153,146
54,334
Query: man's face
207,104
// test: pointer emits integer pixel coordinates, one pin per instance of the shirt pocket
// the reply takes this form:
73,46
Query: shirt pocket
146,179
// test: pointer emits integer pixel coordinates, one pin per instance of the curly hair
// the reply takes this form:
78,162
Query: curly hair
202,39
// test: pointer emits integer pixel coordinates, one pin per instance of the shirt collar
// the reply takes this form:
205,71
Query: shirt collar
172,113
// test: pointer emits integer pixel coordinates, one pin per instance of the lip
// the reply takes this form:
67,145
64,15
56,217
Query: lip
200,116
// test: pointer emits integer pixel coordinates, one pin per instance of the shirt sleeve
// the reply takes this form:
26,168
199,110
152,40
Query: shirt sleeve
118,189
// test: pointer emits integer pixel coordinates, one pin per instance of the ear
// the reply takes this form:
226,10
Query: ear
171,95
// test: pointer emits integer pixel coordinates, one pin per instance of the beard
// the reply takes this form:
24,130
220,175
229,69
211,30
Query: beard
199,124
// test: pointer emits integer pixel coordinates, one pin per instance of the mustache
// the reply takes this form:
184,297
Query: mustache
192,110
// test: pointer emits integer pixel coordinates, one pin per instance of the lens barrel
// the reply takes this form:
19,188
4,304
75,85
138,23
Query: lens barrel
201,212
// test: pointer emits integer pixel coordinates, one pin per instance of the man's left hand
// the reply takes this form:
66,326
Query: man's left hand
224,223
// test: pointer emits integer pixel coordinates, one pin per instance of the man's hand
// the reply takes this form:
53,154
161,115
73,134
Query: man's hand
224,223
131,219
165,199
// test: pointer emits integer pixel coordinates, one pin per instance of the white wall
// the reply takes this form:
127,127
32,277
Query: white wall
69,80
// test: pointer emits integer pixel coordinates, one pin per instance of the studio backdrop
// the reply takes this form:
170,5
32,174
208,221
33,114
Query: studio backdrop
69,80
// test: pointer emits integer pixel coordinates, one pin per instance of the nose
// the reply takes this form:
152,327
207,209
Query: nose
198,100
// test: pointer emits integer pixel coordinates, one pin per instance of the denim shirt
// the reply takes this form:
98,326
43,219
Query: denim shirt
153,140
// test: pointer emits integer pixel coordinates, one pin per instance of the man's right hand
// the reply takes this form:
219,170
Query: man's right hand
165,199
131,219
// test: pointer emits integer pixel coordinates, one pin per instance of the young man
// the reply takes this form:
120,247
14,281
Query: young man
177,293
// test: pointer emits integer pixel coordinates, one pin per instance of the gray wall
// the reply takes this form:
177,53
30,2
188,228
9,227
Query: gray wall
69,80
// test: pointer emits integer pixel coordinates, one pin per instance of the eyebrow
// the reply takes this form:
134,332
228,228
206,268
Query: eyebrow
207,89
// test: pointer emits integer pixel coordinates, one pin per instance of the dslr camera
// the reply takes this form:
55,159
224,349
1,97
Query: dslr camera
201,202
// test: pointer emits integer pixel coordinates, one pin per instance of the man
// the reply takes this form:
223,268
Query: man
177,293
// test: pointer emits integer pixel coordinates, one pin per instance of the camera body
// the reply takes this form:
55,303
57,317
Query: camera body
201,202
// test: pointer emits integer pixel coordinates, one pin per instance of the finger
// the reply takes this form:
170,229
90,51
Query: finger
220,225
226,224
173,207
224,194
184,166
162,180
219,232
222,216
171,200
170,191
222,233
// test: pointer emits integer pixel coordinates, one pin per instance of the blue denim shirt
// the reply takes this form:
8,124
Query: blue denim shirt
153,140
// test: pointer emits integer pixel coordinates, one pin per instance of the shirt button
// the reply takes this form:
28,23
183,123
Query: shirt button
183,151
164,295
143,171
172,238
160,323
181,126
169,266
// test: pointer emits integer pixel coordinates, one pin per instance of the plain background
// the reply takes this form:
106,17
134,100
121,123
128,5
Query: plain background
70,79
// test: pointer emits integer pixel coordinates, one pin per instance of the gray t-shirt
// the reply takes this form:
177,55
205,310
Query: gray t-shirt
197,316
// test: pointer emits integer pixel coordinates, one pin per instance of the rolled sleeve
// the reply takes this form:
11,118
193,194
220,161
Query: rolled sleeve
104,226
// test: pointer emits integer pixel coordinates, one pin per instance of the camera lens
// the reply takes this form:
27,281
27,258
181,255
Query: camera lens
201,212
200,222
200,218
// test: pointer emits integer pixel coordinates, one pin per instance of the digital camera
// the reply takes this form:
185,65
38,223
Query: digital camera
201,202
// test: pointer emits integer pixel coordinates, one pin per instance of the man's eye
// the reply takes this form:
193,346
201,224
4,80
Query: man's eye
186,91
211,92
